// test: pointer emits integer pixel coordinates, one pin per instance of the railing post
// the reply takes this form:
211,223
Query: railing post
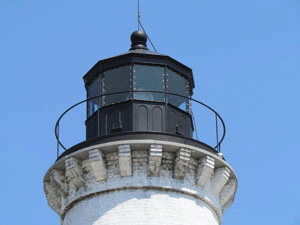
57,132
98,126
217,133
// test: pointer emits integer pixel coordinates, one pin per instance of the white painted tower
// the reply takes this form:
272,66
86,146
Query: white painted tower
140,164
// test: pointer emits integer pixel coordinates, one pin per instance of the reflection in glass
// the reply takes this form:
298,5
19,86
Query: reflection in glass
94,90
117,80
176,84
148,78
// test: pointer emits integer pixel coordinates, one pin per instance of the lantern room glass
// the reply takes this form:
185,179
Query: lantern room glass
176,84
148,78
94,90
117,80
140,78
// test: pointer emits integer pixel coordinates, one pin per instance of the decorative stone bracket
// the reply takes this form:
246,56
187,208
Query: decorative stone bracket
62,187
97,164
155,156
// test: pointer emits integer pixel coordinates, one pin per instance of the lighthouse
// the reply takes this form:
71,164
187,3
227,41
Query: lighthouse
140,163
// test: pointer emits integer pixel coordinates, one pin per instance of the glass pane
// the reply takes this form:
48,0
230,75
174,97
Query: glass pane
94,90
176,84
117,80
148,78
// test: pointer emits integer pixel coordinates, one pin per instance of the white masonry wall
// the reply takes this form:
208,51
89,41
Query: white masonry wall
138,182
141,207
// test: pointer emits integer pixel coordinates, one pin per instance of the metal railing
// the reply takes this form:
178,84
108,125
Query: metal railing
217,116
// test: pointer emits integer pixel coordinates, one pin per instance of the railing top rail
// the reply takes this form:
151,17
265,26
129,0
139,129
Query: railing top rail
148,91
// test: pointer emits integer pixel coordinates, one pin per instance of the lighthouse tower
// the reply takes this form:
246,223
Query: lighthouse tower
140,163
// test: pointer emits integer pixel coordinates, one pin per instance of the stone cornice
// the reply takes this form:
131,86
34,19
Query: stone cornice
165,166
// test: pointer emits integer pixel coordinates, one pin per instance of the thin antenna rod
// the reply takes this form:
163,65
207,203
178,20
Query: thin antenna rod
140,24
148,37
139,15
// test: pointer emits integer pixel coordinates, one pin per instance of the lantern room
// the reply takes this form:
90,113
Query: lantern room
139,91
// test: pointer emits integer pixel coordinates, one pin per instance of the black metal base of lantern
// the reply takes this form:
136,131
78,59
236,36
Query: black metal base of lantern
139,135
139,115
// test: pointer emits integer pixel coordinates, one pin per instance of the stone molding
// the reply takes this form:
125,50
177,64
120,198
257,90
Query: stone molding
127,166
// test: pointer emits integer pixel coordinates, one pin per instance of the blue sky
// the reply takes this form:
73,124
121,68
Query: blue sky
245,57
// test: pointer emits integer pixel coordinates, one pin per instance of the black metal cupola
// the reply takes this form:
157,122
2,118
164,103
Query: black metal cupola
139,91
140,95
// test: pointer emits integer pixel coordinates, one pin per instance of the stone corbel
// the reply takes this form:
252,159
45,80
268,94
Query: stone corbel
155,156
74,172
205,170
181,162
97,164
125,160
219,180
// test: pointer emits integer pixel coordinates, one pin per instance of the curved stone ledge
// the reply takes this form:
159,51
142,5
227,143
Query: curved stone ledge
136,164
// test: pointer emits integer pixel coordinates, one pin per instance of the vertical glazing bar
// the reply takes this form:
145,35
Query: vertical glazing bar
99,100
102,90
187,103
190,103
87,103
166,98
131,82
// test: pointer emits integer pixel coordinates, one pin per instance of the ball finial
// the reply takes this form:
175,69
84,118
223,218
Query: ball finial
138,40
